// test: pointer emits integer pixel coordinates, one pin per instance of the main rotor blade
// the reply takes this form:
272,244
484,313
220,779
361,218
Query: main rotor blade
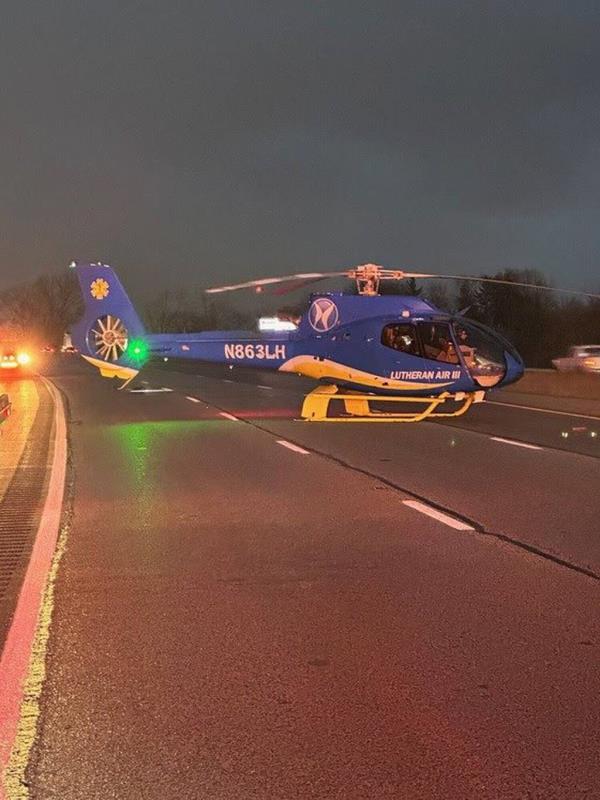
473,278
287,288
304,277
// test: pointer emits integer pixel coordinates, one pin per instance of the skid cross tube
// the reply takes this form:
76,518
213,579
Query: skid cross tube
357,406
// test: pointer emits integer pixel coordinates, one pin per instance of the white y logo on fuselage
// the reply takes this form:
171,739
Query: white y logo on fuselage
323,314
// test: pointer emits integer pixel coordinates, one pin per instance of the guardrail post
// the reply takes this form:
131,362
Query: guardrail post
5,407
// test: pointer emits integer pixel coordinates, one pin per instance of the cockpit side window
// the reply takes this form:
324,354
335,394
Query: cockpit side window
437,342
402,338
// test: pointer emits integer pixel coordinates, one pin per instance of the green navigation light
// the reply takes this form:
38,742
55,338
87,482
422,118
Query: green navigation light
138,351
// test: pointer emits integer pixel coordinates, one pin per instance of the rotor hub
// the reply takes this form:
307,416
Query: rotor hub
369,276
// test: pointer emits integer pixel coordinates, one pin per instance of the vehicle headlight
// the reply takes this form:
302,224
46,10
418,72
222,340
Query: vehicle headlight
23,358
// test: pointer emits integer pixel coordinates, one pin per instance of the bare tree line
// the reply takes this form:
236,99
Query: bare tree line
179,310
541,324
41,310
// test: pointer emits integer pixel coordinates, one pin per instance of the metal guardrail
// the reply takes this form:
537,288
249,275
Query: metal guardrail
5,407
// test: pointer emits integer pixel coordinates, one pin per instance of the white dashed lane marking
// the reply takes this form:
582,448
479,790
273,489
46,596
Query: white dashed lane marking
516,444
150,391
228,416
445,519
293,447
192,399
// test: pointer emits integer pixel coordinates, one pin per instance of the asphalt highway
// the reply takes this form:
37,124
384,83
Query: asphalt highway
528,475
255,607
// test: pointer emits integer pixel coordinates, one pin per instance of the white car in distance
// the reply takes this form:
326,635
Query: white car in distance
583,358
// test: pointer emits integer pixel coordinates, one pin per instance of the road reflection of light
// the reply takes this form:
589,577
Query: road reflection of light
135,441
144,447
14,431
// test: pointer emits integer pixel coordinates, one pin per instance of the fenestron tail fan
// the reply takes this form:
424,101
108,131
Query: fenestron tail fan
110,335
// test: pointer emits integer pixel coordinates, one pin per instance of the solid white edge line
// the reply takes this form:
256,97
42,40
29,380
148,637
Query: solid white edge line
516,444
293,447
438,515
192,399
17,650
542,410
228,416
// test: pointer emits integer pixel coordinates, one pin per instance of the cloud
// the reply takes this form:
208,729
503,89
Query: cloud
234,139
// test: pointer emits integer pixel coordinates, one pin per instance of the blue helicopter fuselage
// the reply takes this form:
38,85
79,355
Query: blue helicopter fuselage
389,345
350,353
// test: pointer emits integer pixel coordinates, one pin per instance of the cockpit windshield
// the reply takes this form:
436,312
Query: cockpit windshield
482,352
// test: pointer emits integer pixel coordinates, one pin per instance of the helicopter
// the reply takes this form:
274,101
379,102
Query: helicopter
385,358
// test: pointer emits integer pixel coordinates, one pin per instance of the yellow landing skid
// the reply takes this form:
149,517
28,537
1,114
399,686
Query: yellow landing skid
357,406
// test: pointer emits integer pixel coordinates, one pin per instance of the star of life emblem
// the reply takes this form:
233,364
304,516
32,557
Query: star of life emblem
99,289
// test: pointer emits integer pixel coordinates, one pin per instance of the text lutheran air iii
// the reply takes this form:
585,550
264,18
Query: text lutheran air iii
361,347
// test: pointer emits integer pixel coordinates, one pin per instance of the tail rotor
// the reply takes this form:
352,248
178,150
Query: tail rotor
110,337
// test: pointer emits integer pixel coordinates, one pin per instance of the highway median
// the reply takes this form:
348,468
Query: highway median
570,392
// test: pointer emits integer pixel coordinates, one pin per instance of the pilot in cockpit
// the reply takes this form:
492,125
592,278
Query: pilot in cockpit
468,352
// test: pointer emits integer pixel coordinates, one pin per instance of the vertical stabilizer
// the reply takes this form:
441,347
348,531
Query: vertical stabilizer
110,334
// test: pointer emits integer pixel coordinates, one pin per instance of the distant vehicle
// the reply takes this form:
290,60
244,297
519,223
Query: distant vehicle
67,345
580,358
14,360
48,348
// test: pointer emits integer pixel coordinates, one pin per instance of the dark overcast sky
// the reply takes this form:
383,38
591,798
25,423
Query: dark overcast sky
206,141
